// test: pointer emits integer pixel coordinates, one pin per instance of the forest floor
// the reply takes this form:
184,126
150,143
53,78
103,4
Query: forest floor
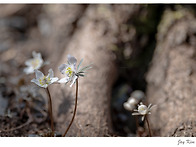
41,28
27,28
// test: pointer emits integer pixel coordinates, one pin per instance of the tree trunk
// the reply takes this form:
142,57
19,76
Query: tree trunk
172,77
96,32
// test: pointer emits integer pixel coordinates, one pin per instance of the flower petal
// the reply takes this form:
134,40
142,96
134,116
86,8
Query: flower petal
135,113
128,106
36,55
73,81
64,80
28,62
54,80
36,82
40,63
143,118
44,86
132,101
71,59
38,74
62,68
28,70
50,73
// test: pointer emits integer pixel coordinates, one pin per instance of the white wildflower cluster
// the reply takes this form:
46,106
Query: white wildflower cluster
70,71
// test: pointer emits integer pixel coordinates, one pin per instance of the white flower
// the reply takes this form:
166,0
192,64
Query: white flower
130,104
44,81
70,70
143,110
35,63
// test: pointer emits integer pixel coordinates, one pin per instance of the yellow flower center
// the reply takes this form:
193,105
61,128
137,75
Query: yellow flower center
69,71
142,109
44,80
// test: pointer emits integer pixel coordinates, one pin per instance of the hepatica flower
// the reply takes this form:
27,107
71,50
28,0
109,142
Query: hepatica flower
35,63
143,110
70,70
44,81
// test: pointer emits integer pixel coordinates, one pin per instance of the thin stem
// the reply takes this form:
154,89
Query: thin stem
50,110
150,134
76,99
137,124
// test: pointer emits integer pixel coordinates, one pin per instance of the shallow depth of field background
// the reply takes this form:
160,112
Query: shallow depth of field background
48,29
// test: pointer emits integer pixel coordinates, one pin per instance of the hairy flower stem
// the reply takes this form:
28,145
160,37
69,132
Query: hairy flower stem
76,99
150,134
50,110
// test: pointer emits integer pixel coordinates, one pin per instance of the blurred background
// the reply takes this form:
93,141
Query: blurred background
47,29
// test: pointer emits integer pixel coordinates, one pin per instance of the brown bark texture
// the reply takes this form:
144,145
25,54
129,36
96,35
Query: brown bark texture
97,30
172,77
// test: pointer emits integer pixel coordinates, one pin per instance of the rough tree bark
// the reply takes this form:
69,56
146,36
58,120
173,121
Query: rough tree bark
97,31
172,77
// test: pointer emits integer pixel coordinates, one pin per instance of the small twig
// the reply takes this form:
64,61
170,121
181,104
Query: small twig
76,99
50,111
18,127
150,134
30,119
